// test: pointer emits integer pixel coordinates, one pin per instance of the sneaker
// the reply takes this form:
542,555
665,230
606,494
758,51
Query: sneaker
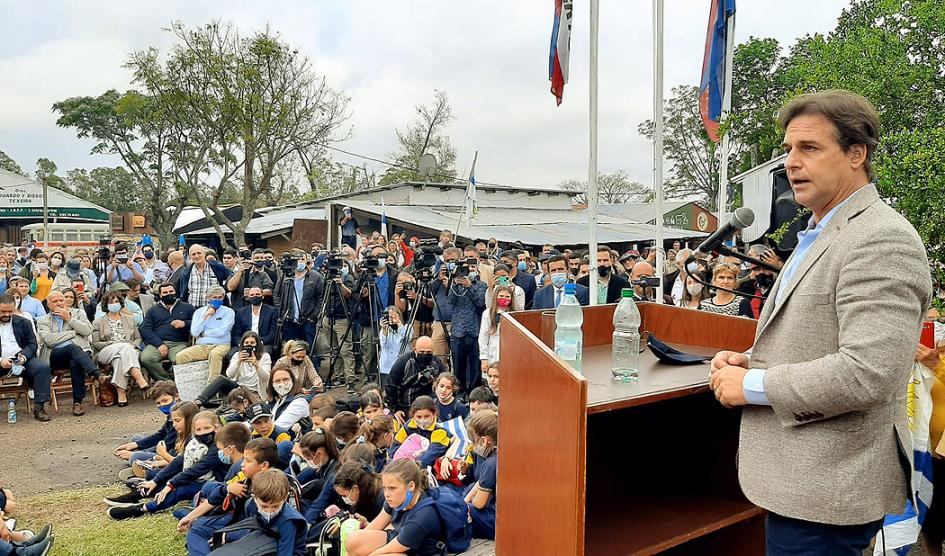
134,482
125,512
132,498
125,474
39,537
11,523
39,549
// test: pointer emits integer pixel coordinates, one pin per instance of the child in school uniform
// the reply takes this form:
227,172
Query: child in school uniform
371,406
492,379
230,443
345,428
164,395
423,422
320,452
259,417
182,415
448,406
224,503
481,495
269,505
409,522
480,396
181,479
379,432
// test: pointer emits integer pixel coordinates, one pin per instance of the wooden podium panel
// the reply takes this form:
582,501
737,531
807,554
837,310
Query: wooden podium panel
592,466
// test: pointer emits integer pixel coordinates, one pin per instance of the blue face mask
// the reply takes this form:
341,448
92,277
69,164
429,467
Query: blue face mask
473,275
149,254
559,279
522,266
166,409
451,266
223,457
259,264
114,307
344,271
407,500
300,267
215,303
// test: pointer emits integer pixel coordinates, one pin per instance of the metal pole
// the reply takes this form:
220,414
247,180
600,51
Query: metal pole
592,158
726,110
45,214
658,138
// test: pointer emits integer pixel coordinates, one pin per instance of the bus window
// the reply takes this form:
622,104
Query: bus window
72,235
85,236
55,236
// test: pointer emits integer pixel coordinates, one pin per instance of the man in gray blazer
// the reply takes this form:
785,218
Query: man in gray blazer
824,442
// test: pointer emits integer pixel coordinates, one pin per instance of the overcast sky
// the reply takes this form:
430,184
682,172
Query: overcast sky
491,56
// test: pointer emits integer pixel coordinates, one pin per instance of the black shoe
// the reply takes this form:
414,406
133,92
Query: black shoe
127,512
132,498
39,537
352,390
39,413
41,548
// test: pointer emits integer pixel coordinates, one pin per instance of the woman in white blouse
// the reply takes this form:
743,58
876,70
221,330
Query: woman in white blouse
249,367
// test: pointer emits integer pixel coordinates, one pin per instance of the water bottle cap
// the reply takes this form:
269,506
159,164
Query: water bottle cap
570,289
626,292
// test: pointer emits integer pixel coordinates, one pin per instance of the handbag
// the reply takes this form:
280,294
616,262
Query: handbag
260,541
107,394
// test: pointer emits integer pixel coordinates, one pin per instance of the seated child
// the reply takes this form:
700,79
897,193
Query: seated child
319,450
360,490
492,379
318,512
479,396
271,508
409,522
181,479
448,406
481,496
181,417
224,503
378,431
259,417
423,422
345,428
323,416
20,542
371,405
164,394
230,443
234,409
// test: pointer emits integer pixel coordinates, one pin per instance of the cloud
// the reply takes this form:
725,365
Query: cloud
490,56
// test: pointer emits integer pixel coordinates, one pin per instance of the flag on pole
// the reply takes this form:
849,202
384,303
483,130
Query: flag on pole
712,86
383,219
560,48
470,203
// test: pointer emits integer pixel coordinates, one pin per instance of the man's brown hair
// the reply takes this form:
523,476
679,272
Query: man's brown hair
162,388
270,486
854,117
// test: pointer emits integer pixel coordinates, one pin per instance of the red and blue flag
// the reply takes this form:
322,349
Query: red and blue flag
560,48
712,86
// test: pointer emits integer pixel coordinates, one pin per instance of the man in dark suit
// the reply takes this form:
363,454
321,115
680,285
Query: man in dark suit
520,278
18,355
298,297
257,317
550,296
610,284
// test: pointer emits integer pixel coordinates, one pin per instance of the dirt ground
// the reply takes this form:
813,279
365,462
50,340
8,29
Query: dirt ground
69,452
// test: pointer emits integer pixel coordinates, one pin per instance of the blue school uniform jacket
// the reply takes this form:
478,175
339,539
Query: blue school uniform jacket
290,525
209,463
165,433
451,411
439,438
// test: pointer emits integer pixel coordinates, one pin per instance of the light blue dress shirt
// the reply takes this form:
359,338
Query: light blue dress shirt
754,381
216,329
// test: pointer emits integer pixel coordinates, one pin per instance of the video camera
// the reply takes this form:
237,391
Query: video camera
427,252
289,263
372,262
333,263
646,282
462,267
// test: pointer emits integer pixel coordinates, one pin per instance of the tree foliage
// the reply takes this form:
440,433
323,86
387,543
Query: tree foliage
425,135
46,173
113,188
616,187
10,165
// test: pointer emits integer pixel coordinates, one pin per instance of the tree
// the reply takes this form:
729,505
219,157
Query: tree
758,89
425,135
246,104
611,188
10,165
113,188
46,172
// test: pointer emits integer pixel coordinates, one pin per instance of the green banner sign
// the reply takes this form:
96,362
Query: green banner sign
54,212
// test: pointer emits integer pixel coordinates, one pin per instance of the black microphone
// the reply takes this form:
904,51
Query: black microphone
742,218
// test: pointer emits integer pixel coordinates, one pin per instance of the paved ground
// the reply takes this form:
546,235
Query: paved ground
69,452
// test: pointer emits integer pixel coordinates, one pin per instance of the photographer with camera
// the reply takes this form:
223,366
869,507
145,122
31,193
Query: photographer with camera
408,300
643,281
250,273
442,310
339,285
298,297
412,376
383,285
467,299
121,267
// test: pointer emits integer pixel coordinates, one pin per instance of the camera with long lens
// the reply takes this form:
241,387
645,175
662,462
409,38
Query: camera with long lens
334,262
289,263
408,287
246,254
462,267
427,252
426,375
372,262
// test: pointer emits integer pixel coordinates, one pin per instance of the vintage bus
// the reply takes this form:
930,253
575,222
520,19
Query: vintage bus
72,235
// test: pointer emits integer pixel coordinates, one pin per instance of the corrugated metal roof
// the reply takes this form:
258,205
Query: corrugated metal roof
273,222
638,212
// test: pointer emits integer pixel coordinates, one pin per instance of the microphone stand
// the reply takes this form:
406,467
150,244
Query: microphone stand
730,253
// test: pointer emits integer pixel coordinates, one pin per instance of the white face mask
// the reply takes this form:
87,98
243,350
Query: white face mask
267,516
282,388
347,501
694,289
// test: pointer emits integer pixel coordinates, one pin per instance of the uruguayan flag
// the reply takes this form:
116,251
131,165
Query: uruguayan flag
461,442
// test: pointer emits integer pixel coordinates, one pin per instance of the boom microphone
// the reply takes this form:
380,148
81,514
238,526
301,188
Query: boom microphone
742,218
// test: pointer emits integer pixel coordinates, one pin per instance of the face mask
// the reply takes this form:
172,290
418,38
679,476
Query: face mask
3,269
73,268
298,361
482,451
259,264
413,244
204,439
282,388
765,281
55,263
344,271
41,266
267,516
522,266
423,423
255,301
407,500
300,267
166,409
473,275
149,254
114,307
694,289
269,264
424,359
347,501
504,302
603,271
692,267
168,299
559,279
223,457
451,266
215,303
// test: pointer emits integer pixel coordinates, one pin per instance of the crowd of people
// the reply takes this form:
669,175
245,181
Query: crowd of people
406,329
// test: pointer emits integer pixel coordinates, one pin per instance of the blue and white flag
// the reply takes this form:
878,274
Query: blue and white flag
457,427
383,219
470,202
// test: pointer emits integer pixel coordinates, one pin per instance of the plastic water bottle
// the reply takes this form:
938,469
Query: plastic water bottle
625,363
569,339
348,526
11,412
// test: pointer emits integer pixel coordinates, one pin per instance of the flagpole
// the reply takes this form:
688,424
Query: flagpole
592,158
658,138
471,195
726,110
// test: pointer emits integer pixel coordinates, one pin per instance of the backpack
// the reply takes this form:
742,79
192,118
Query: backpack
455,518
260,541
295,494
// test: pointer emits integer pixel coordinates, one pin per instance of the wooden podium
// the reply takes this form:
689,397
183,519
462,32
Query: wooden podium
592,466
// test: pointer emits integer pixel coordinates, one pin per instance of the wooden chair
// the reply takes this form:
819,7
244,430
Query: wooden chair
62,383
14,387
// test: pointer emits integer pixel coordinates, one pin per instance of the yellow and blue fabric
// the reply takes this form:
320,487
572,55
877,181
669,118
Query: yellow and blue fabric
439,438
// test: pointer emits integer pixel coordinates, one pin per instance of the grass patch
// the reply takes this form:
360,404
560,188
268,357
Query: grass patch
82,528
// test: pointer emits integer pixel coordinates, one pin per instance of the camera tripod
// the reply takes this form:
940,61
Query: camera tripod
332,295
286,306
424,290
365,281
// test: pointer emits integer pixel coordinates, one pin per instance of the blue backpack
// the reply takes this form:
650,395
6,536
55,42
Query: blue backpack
455,517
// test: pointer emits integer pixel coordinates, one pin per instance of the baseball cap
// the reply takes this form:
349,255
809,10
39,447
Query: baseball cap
631,254
257,411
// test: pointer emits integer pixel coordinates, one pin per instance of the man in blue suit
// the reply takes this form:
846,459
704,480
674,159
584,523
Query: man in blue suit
257,317
18,350
549,297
